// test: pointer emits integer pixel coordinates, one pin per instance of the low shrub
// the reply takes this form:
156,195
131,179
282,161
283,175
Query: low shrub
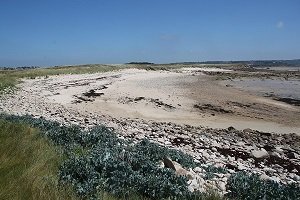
251,187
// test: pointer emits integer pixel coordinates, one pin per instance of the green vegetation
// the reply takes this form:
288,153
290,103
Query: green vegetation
250,187
28,165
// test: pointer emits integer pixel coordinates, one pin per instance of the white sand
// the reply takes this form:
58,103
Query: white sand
180,90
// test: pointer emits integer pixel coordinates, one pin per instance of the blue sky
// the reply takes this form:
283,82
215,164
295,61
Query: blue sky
62,32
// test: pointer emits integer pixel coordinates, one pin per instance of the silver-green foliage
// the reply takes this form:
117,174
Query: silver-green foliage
251,187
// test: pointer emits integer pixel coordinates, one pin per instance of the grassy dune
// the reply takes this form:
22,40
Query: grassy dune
28,165
9,78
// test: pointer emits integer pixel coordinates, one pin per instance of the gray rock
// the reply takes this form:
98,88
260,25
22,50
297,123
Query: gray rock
222,186
179,170
264,177
262,153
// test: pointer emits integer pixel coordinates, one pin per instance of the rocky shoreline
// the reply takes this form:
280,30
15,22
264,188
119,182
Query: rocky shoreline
271,156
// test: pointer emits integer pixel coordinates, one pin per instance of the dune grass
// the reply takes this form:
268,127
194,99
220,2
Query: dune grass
9,78
28,165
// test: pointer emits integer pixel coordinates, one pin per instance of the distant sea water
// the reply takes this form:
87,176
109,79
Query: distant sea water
269,87
288,68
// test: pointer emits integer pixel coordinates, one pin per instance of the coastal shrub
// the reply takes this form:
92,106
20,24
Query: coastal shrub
156,152
211,171
115,166
97,160
251,187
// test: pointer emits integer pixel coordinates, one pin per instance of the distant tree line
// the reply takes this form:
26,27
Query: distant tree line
19,68
140,63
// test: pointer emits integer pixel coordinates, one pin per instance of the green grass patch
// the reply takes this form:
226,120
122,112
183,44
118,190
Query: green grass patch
28,165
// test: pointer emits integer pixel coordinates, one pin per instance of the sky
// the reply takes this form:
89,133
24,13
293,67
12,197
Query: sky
67,32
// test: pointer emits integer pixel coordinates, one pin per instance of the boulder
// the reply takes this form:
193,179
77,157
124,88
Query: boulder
259,154
222,186
179,170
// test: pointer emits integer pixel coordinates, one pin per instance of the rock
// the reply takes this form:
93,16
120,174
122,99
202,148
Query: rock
275,154
215,144
259,154
179,170
198,170
278,149
296,177
247,130
222,186
231,159
276,179
214,149
161,164
290,155
264,177
268,169
192,185
205,154
241,167
231,128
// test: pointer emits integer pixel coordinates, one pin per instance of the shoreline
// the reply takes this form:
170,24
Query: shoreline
91,99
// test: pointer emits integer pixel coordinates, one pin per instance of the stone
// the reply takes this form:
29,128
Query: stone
276,154
241,167
268,169
247,130
231,159
259,154
222,186
276,179
192,185
278,149
264,177
161,164
205,154
290,155
198,169
179,170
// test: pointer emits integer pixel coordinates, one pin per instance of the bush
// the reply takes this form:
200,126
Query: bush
244,186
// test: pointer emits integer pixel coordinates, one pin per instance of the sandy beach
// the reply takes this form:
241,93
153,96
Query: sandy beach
184,96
